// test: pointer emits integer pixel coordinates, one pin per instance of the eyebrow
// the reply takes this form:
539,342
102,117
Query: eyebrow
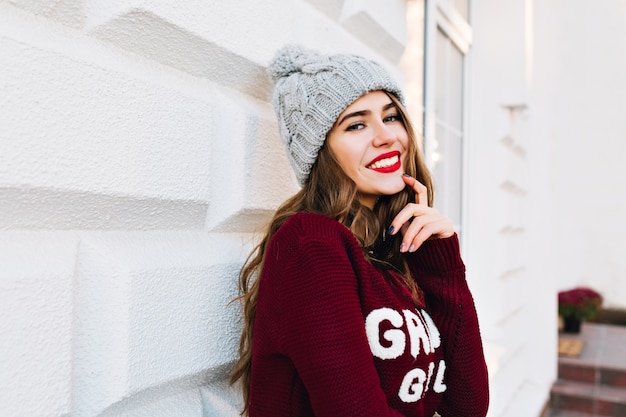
364,113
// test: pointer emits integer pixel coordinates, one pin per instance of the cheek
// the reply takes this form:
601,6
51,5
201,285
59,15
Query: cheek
404,142
403,137
347,161
346,154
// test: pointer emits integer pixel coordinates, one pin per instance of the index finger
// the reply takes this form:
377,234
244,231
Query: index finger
421,192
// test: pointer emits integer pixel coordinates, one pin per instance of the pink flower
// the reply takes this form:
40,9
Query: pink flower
581,303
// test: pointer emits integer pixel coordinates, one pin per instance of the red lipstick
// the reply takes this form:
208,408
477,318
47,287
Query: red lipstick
385,163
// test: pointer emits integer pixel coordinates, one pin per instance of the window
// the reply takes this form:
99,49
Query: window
447,39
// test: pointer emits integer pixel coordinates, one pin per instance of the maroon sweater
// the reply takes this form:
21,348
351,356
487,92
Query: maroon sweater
334,336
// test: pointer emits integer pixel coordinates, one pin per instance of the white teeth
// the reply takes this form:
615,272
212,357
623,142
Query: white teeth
384,163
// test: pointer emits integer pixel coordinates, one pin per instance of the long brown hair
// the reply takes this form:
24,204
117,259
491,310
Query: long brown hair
330,192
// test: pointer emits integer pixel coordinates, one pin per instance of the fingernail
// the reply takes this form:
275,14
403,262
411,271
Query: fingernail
391,230
412,248
406,175
403,247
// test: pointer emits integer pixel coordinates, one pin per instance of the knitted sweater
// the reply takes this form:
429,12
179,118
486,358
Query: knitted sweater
334,336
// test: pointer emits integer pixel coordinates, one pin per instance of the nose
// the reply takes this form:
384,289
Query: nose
383,135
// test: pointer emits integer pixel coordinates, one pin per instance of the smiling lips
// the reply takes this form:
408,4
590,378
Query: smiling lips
387,162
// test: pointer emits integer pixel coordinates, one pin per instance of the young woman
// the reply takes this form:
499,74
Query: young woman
355,301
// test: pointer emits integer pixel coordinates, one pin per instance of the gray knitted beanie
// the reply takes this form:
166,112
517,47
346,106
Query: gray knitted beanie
312,90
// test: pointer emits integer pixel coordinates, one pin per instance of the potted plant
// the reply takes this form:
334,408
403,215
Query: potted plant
576,305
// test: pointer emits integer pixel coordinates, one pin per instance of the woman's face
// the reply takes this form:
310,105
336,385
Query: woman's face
370,143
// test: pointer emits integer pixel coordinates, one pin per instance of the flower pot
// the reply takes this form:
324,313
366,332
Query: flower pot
571,325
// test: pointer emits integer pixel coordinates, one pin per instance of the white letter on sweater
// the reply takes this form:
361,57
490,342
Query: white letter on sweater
439,385
412,386
417,333
395,336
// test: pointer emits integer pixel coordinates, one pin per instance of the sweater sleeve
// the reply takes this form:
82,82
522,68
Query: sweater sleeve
439,271
322,331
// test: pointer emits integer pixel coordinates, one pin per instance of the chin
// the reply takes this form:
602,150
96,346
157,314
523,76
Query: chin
391,190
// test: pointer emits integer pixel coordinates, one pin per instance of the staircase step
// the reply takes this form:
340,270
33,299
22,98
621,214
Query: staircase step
602,359
598,400
592,381
591,373
565,413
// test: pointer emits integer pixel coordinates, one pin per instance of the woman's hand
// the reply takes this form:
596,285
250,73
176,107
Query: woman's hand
427,222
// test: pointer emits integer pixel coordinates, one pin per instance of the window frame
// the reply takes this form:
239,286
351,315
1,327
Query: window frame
440,15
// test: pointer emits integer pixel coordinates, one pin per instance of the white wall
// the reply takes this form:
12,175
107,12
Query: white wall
509,215
138,156
586,62
545,178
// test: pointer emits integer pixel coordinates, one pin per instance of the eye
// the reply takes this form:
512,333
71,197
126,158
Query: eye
356,126
395,117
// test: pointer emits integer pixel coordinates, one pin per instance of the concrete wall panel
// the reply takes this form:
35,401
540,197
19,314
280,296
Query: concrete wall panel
152,314
36,284
71,126
246,157
381,26
213,40
160,403
68,12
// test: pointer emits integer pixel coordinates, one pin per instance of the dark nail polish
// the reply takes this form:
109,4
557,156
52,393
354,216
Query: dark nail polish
391,230
406,175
